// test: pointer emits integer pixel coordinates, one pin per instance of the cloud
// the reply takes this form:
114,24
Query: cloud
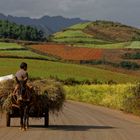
126,11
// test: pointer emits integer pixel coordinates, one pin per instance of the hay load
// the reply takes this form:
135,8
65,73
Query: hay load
45,94
6,88
50,94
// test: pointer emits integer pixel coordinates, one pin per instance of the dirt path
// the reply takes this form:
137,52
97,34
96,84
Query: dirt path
78,121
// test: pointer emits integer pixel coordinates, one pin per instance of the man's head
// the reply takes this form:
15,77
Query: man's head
23,65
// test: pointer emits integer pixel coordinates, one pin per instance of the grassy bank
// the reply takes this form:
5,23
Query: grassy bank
122,96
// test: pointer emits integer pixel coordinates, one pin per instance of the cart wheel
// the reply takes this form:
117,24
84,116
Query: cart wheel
8,120
46,119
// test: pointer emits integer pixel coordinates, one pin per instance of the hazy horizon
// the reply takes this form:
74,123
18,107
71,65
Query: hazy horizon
124,11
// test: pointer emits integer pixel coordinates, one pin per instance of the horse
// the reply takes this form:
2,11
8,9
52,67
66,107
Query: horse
23,104
24,115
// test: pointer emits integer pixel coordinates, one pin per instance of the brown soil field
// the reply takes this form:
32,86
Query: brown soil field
66,52
70,53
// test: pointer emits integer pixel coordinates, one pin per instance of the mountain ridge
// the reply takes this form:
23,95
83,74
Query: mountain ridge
49,24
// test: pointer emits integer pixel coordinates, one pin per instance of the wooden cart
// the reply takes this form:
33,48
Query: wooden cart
14,113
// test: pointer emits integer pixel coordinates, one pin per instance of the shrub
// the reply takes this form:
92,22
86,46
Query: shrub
129,65
107,95
132,55
132,103
71,81
124,97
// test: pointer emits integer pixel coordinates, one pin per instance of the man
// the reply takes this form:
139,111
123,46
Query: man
21,78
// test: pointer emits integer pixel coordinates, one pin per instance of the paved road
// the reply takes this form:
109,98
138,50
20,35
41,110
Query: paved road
78,121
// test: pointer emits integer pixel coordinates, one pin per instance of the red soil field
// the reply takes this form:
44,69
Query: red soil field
70,53
66,52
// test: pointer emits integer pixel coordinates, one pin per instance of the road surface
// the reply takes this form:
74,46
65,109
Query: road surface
77,121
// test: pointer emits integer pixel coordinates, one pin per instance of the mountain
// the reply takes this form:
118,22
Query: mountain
97,32
48,24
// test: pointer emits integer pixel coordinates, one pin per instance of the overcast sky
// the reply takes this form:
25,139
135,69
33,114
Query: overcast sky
125,11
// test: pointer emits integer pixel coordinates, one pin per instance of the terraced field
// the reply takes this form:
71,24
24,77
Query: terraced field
80,26
44,69
18,51
98,35
22,54
4,46
122,45
76,37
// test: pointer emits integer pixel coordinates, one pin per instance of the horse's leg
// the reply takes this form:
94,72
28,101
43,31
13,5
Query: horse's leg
25,118
21,118
27,114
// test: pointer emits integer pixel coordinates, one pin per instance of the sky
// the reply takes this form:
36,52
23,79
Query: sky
125,11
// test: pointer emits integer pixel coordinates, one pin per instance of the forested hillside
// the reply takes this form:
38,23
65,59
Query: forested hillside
19,32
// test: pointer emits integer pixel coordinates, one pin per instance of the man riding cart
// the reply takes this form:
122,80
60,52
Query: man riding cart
29,101
21,78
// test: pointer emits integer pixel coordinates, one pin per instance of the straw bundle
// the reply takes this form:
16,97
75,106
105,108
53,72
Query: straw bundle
6,88
45,94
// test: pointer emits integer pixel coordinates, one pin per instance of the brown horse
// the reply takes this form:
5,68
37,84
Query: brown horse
23,104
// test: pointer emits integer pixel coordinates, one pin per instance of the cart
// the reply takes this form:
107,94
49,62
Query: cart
14,113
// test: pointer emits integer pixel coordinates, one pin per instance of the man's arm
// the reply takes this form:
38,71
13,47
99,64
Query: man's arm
26,77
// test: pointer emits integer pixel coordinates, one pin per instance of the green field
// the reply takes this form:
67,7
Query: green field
71,33
4,45
45,69
105,46
134,44
74,35
80,26
23,53
15,50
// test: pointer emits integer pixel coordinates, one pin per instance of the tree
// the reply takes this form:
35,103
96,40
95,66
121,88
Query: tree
21,32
